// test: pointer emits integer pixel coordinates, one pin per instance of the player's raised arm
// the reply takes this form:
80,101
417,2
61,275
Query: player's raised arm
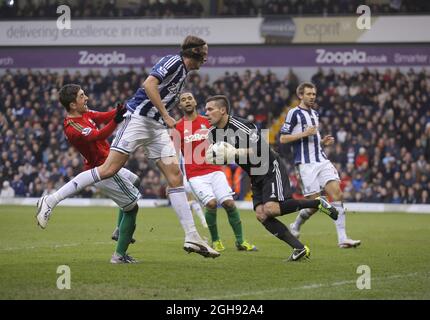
161,71
151,88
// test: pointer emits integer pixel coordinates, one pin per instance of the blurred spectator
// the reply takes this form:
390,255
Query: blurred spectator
151,185
18,185
361,158
397,199
7,191
424,198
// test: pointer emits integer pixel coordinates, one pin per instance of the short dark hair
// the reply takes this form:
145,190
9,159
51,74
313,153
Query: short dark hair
221,101
301,88
190,43
186,91
68,94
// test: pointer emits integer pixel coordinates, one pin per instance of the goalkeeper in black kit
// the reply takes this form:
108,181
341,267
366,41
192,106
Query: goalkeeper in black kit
238,140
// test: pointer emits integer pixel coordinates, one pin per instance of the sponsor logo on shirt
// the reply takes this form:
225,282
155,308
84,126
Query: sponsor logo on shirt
201,134
86,131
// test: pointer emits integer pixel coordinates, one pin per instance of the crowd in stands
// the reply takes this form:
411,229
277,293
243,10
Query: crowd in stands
380,120
195,8
104,9
318,7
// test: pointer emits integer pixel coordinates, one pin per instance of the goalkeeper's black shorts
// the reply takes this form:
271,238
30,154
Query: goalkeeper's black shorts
274,186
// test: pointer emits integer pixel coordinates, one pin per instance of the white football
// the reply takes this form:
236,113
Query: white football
220,153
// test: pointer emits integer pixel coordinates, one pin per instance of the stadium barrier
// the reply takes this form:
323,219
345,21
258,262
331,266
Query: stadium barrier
244,205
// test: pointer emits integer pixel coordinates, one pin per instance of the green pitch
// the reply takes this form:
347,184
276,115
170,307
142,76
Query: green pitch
394,245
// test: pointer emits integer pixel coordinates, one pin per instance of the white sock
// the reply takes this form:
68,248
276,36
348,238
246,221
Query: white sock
179,201
196,207
340,222
303,215
82,180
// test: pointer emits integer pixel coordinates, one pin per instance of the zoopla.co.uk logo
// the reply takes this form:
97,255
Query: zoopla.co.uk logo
340,57
104,59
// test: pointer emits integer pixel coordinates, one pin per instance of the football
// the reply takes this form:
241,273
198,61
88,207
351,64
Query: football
220,153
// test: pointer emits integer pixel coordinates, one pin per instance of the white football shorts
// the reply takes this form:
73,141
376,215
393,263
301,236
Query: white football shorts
136,131
120,188
314,176
210,186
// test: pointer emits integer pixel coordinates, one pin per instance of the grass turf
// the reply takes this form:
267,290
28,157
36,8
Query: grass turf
394,245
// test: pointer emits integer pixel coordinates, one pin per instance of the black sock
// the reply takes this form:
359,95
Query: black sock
279,230
293,205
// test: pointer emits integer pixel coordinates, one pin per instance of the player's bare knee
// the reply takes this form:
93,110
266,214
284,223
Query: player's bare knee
176,182
260,215
212,204
271,209
174,177
339,197
107,170
228,204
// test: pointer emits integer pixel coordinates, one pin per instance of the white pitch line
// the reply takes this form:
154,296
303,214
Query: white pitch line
55,246
305,287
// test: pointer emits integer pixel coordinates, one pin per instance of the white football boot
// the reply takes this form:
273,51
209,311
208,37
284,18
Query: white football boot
349,243
194,243
44,212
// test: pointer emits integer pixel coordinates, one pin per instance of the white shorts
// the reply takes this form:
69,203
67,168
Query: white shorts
136,131
120,188
211,186
314,176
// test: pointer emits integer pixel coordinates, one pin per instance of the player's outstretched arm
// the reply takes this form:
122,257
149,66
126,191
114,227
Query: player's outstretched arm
102,117
75,130
151,88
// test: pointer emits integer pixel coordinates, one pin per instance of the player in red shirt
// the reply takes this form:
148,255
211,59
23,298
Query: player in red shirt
81,129
207,181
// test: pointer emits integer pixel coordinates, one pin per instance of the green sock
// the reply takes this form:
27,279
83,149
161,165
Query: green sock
126,230
210,215
236,224
120,215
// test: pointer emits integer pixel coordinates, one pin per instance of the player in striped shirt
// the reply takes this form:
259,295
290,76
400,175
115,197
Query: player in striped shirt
316,172
146,124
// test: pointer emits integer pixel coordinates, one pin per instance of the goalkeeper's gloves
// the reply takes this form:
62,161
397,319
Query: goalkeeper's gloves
223,153
120,111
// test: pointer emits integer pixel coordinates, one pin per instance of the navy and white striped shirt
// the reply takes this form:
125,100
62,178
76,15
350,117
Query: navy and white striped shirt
308,149
171,72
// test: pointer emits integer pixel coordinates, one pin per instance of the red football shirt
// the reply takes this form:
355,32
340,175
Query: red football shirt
194,144
83,133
